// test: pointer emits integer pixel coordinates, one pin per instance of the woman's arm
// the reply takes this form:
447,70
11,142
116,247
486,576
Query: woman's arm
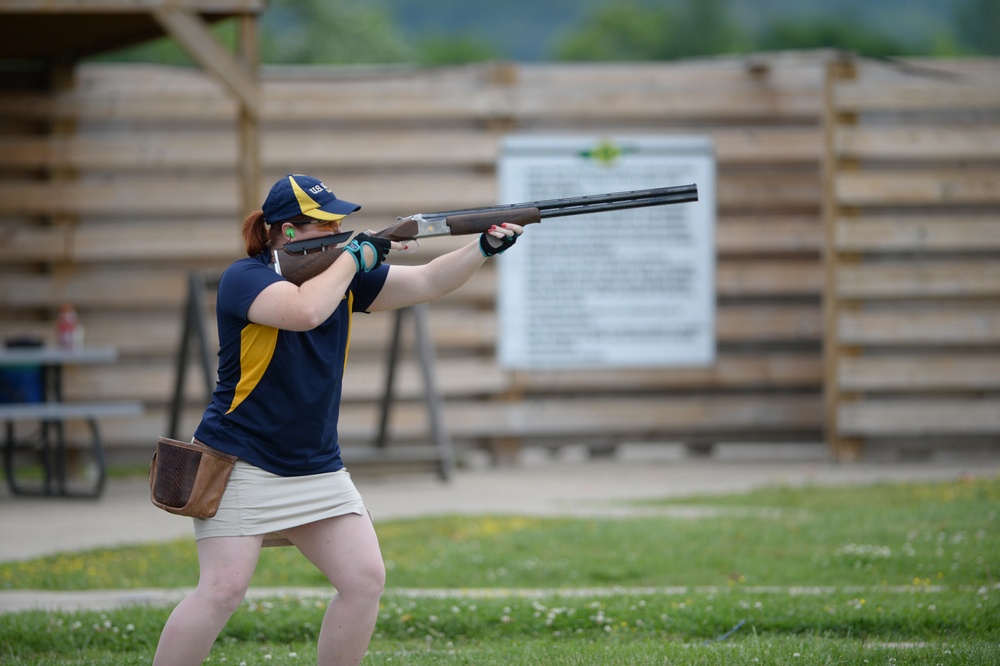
409,285
287,306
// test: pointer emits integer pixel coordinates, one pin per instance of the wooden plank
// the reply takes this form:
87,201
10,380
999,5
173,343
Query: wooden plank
767,145
152,380
392,194
588,419
974,324
215,196
157,332
25,241
769,234
920,279
748,418
360,96
757,323
165,107
918,188
141,289
218,240
731,370
123,195
964,143
524,92
911,95
919,233
789,277
152,194
280,149
740,101
920,372
789,68
742,192
101,78
736,277
920,417
302,149
914,70
205,149
636,416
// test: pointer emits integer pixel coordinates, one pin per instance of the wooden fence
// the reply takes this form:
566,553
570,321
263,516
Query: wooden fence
913,277
114,189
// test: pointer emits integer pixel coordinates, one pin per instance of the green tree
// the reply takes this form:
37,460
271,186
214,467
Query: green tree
707,27
633,30
977,23
783,35
330,32
624,30
454,50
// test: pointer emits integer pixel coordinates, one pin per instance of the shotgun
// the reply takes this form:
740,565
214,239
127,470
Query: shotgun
303,260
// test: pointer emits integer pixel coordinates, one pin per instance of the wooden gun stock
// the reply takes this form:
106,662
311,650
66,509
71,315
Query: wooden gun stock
297,267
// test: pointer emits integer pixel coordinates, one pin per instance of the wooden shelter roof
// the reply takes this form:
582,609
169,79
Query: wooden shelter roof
39,38
43,29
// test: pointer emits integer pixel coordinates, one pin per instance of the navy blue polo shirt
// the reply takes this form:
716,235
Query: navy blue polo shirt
277,402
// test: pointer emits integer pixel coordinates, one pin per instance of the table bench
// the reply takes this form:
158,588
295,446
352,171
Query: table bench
52,413
52,416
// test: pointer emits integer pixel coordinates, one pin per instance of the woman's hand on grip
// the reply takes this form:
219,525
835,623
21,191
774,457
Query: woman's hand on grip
368,251
497,239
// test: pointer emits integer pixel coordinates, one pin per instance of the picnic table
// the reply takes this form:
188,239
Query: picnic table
51,412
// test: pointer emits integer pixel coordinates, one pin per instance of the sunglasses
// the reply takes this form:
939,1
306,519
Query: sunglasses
328,225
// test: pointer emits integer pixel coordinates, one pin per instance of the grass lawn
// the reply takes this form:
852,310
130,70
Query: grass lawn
886,574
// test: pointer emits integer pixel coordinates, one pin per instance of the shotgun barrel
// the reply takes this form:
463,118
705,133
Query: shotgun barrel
592,203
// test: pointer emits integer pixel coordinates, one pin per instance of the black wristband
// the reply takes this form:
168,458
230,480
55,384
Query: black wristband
486,244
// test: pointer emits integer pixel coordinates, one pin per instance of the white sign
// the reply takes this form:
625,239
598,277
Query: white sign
624,288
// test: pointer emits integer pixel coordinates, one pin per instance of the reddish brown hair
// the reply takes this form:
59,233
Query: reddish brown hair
255,233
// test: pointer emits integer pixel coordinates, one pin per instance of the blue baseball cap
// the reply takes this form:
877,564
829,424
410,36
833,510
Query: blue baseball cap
296,195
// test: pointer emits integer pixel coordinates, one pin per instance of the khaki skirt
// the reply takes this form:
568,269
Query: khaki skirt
257,502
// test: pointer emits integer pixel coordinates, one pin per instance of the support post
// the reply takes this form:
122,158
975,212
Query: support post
445,454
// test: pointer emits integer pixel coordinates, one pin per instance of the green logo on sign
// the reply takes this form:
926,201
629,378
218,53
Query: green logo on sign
606,153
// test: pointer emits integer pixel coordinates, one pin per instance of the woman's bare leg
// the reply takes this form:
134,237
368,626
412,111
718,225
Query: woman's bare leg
226,565
346,550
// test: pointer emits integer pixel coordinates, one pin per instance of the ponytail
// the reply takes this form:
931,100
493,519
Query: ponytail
255,234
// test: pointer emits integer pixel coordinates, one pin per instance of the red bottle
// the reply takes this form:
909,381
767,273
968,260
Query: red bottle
69,332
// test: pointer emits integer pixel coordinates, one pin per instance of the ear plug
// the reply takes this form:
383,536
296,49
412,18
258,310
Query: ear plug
290,233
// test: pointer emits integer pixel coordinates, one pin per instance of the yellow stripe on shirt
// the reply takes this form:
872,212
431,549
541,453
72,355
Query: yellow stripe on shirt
350,322
257,344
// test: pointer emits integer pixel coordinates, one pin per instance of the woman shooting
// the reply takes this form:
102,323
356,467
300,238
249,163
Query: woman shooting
276,406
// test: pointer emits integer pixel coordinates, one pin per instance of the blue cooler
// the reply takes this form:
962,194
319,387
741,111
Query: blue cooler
22,383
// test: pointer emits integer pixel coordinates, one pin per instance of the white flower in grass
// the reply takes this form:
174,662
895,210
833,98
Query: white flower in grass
864,550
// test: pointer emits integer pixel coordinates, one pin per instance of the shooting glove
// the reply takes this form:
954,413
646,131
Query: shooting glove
379,249
491,245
